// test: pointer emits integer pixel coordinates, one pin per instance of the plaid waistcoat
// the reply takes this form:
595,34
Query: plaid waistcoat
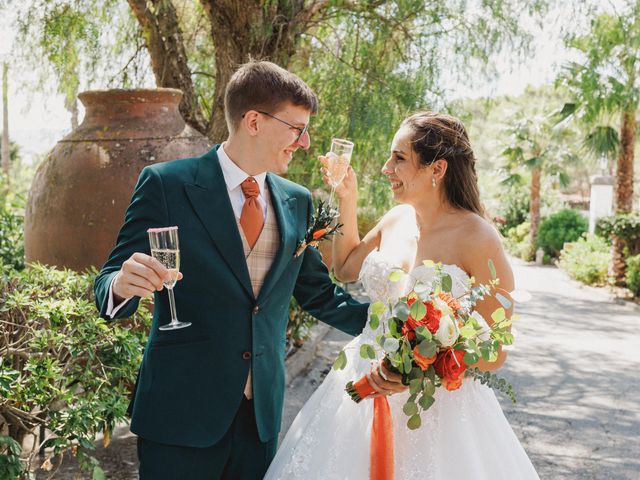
260,258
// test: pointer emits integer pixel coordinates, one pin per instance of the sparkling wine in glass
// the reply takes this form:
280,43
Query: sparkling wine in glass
166,249
339,158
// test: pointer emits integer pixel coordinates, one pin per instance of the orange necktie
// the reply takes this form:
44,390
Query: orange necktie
251,218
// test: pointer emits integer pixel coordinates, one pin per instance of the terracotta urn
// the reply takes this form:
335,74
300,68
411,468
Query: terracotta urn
80,192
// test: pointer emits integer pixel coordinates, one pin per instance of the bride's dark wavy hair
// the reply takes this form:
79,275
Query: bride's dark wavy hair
441,136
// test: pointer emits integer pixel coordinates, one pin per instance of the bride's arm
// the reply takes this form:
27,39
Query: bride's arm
349,251
487,246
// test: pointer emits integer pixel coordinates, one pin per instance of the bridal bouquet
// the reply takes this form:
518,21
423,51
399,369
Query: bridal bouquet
432,338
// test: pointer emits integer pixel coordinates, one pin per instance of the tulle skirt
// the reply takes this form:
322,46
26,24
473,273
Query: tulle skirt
464,435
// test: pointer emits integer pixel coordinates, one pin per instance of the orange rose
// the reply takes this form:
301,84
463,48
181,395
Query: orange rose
451,302
450,366
319,233
422,361
431,320
452,384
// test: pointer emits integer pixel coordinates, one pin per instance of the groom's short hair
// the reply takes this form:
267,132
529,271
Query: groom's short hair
264,86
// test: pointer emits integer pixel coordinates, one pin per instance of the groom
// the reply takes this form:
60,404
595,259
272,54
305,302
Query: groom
208,401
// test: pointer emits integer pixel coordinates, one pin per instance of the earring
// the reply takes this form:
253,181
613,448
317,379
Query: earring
433,181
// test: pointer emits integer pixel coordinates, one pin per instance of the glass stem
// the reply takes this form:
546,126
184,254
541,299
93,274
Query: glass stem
333,191
172,306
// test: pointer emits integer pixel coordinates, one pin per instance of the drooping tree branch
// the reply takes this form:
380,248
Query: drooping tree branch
159,24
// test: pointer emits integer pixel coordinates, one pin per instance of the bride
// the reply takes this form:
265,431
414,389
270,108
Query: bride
464,435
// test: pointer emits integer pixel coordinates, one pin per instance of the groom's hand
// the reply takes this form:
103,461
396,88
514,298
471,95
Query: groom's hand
384,382
140,276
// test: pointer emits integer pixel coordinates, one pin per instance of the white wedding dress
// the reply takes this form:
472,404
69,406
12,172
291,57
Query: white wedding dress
464,435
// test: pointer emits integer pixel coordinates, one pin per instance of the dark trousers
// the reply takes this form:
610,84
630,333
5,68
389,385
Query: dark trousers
240,455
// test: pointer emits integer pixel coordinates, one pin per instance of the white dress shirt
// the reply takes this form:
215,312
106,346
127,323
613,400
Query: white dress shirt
233,177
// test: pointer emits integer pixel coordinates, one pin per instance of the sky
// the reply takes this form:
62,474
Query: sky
37,121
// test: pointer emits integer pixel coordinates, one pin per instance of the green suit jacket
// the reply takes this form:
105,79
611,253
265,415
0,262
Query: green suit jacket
191,380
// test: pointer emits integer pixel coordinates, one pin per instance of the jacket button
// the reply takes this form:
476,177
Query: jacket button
256,309
246,355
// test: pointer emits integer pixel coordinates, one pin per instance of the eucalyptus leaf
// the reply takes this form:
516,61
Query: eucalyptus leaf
396,276
378,308
427,348
367,352
470,358
426,401
498,315
391,345
418,310
416,373
401,310
340,362
374,321
504,301
98,474
415,385
428,388
410,409
492,270
467,331
447,283
423,333
414,422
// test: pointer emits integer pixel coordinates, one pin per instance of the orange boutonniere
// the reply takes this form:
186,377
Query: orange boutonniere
320,228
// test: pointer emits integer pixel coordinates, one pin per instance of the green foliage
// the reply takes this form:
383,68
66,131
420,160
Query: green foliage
11,233
11,468
514,208
586,260
61,366
517,241
564,226
633,274
300,323
625,226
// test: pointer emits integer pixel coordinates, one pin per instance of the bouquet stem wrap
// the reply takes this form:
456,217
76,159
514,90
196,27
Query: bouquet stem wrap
381,456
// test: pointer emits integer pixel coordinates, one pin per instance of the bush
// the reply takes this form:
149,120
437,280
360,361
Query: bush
563,226
625,226
61,366
517,241
586,260
300,324
633,274
11,234
514,208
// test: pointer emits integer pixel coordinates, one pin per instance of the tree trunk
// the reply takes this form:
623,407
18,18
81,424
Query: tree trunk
252,30
623,192
534,208
5,152
624,174
240,31
159,24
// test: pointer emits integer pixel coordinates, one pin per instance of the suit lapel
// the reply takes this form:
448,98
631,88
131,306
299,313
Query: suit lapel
285,208
209,199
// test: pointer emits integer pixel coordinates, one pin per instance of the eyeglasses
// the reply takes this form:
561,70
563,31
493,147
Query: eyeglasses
301,130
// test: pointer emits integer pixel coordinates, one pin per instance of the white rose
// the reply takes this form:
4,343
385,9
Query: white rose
442,306
485,332
447,333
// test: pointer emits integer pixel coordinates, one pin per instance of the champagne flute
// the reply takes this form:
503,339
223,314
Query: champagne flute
339,158
165,249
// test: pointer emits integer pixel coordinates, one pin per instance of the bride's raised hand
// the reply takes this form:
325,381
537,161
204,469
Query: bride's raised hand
348,188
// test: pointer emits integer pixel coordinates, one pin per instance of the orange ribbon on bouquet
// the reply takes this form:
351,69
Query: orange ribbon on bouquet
381,455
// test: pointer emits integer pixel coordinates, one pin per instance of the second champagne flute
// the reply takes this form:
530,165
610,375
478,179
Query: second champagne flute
339,159
166,249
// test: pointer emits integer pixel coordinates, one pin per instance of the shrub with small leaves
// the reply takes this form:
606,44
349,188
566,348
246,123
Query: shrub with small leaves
633,274
61,365
562,227
625,226
586,260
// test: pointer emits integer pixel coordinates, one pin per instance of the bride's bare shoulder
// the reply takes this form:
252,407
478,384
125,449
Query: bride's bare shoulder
399,214
478,232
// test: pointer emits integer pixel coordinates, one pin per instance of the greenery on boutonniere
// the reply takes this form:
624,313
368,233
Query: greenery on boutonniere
320,228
